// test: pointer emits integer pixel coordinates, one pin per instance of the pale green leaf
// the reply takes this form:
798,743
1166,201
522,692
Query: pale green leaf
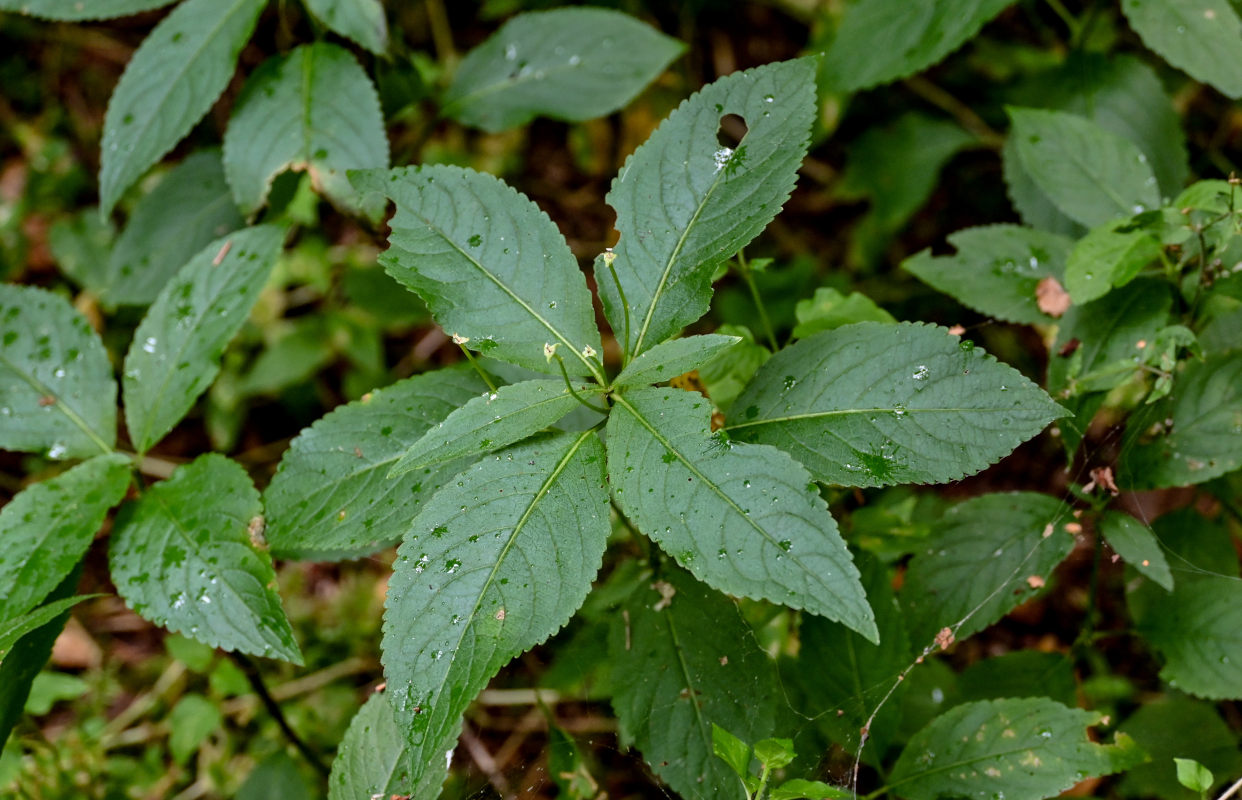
191,721
1088,173
315,110
57,394
176,350
1203,439
360,20
170,83
1134,542
984,557
182,558
13,629
569,63
883,40
872,404
996,270
490,265
1193,775
1198,629
279,776
685,203
47,528
800,789
828,309
373,757
1202,37
732,750
746,519
492,566
1110,255
492,421
675,357
190,207
332,498
1023,749
78,10
683,659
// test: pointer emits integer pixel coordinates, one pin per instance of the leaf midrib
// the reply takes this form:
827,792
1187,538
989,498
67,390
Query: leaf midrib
852,411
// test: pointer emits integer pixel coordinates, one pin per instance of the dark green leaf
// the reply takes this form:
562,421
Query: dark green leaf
373,758
175,354
490,264
872,404
57,394
1108,256
360,20
81,244
569,63
1021,673
746,519
331,497
182,558
726,375
492,421
170,83
277,777
1134,541
189,208
1025,749
47,527
685,203
883,40
1198,629
1202,37
985,557
492,566
684,659
1088,173
314,109
996,269
77,10
14,628
1175,726
675,357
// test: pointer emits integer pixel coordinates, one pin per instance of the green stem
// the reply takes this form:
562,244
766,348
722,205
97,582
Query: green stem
748,276
251,671
610,257
1066,17
560,362
477,368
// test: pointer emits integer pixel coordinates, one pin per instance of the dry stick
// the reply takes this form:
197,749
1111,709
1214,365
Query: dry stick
485,762
1232,790
964,114
251,671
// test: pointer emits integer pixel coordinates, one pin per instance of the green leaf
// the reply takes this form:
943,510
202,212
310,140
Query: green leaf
774,753
314,109
491,567
727,374
1193,775
1204,439
996,270
191,721
675,357
685,203
829,310
1134,541
276,777
490,265
492,421
175,354
1202,37
182,558
14,628
733,750
883,40
1024,749
57,394
872,404
81,245
50,688
373,758
1173,726
984,558
1110,255
1021,673
683,660
1198,629
800,789
570,63
331,497
746,519
170,83
360,20
47,528
78,10
1088,173
189,208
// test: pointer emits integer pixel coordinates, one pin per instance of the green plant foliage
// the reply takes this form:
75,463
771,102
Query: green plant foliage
1177,726
677,197
315,110
476,584
171,82
874,404
181,556
373,757
77,10
57,394
672,358
1027,749
683,660
1108,256
746,519
360,20
81,244
192,720
828,310
569,63
13,628
48,526
1134,541
1198,630
1199,36
1021,673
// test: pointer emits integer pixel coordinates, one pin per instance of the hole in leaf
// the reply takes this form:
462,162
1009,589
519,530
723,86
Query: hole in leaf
732,129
